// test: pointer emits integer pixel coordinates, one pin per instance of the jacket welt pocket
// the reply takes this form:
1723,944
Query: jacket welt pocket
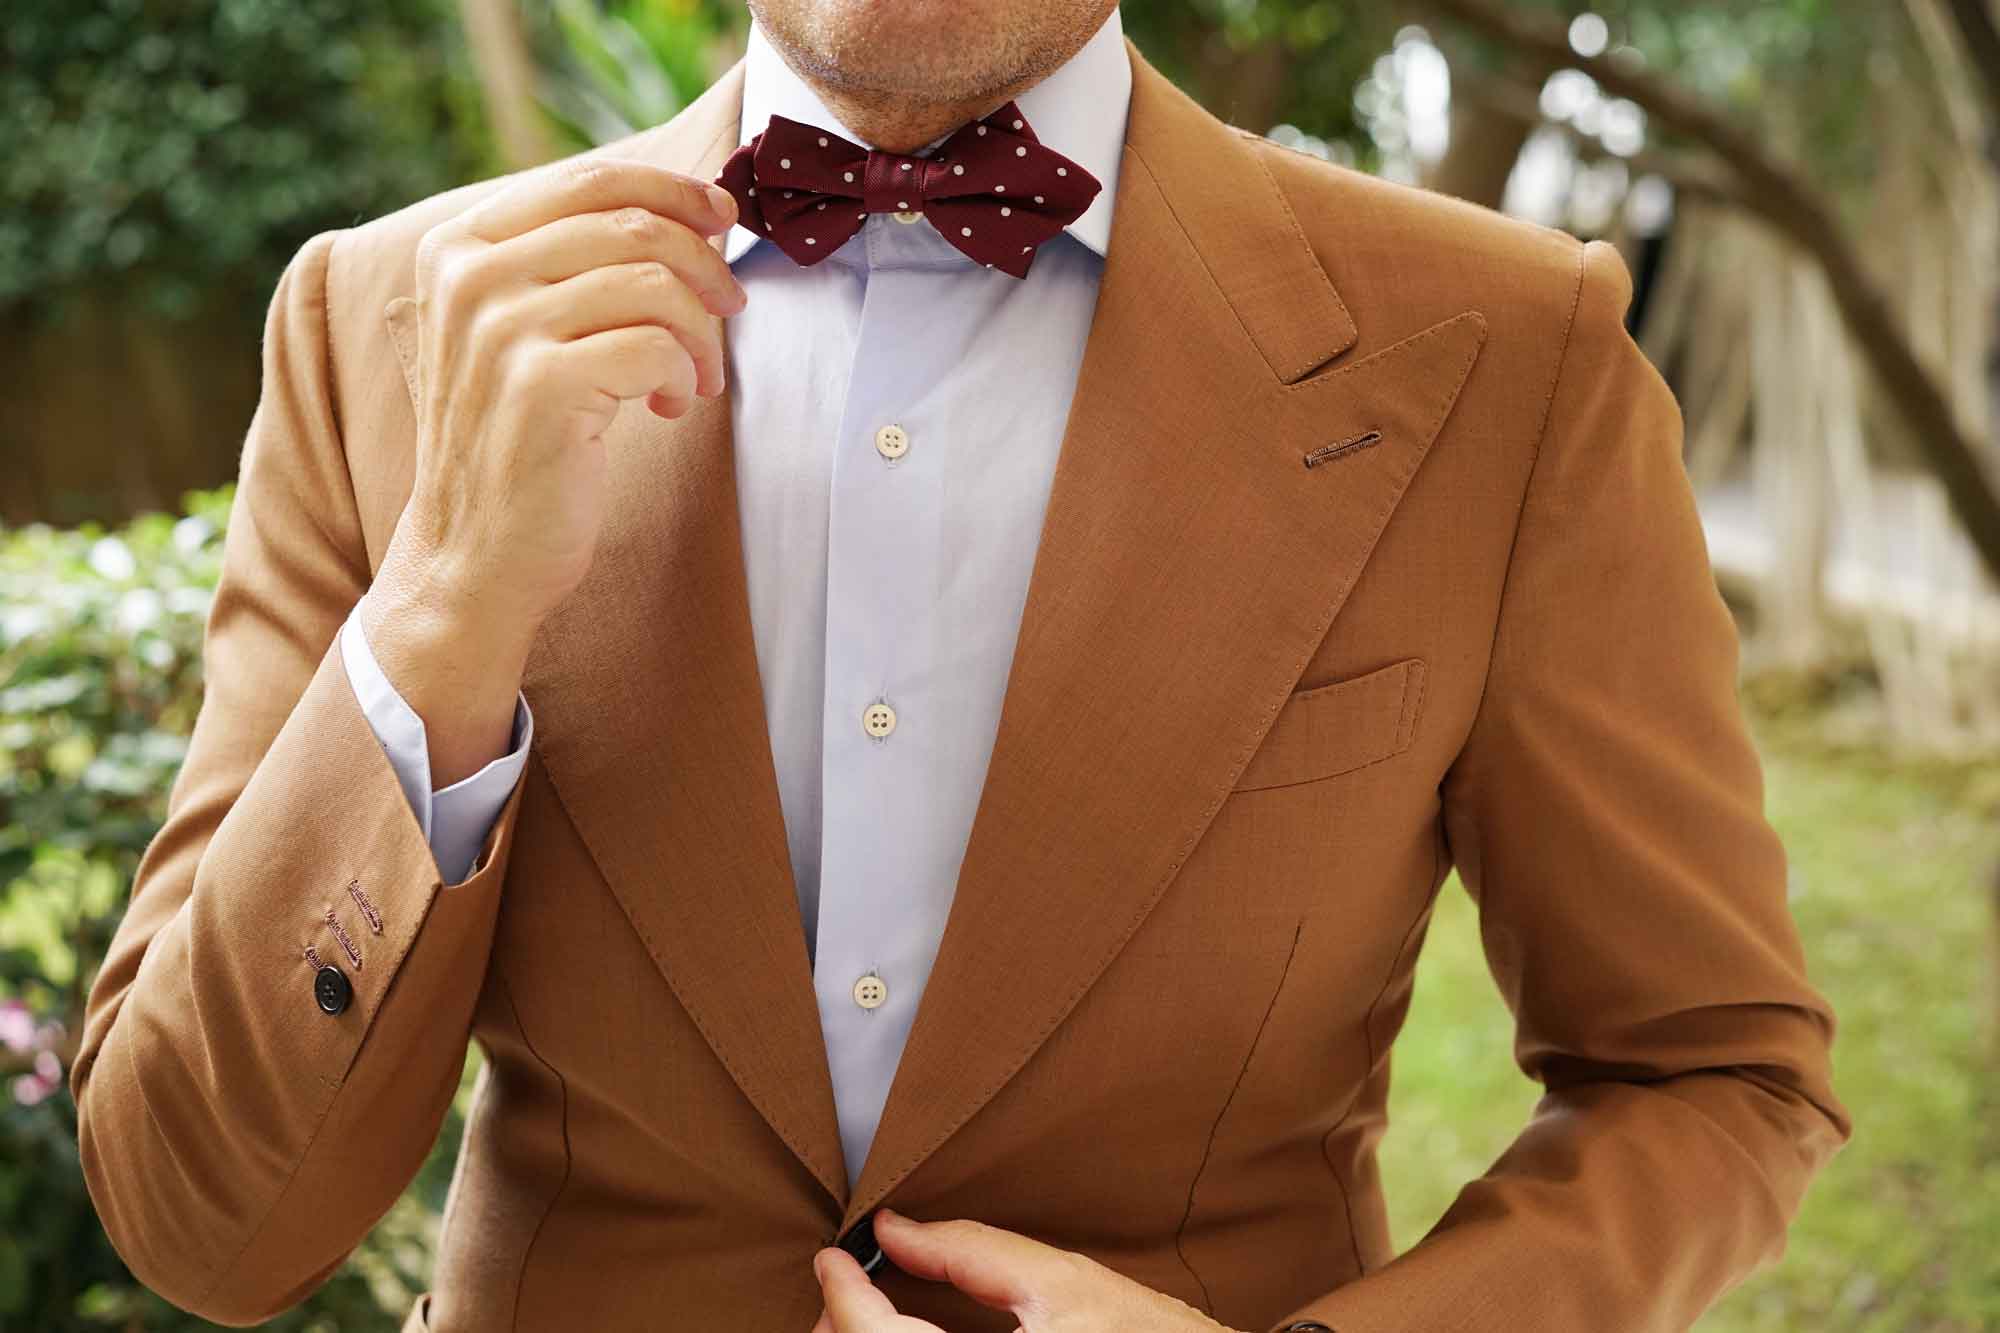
1338,727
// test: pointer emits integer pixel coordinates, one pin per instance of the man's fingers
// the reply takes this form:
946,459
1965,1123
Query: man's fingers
594,185
853,1305
572,245
643,360
622,295
998,1268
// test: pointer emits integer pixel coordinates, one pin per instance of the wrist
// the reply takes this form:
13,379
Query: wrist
428,604
459,671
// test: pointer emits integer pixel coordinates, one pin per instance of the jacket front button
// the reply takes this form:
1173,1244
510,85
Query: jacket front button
332,989
860,1242
1306,1326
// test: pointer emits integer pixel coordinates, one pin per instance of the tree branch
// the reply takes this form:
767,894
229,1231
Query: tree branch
1981,32
1782,197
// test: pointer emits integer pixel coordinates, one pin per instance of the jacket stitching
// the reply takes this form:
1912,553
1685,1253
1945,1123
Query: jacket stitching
1202,259
1298,234
562,1087
1439,407
332,404
736,1071
1534,465
1328,452
1180,1233
1406,727
1368,1040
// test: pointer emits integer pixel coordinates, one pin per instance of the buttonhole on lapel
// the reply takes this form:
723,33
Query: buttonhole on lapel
312,957
1328,452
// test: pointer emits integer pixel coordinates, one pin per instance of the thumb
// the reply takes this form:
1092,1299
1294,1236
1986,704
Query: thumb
998,1268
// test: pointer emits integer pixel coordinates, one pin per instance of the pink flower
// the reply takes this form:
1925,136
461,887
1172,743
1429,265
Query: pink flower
32,1088
17,1026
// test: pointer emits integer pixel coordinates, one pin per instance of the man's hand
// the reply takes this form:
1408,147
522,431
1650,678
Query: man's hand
1048,1290
540,310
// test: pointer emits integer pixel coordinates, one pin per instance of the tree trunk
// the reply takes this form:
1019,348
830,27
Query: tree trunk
1486,141
1783,197
507,78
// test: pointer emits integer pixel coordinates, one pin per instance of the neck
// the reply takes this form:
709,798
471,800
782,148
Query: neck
901,123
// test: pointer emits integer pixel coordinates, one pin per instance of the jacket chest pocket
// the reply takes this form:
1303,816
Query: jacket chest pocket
1339,726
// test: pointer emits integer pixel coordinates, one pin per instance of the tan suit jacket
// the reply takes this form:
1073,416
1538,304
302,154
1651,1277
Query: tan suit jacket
1370,554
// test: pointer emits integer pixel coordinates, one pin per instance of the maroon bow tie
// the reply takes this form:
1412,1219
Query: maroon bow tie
992,189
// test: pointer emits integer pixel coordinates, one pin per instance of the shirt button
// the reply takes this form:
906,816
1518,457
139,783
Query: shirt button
332,989
892,441
878,720
871,992
906,215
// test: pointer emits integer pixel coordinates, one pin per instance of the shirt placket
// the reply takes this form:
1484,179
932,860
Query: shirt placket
886,874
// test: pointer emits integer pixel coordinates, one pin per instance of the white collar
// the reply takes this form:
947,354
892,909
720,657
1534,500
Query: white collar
1078,110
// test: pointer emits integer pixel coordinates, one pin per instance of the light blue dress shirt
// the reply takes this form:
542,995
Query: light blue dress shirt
898,409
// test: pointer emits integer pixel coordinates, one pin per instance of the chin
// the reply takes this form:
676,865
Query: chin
946,48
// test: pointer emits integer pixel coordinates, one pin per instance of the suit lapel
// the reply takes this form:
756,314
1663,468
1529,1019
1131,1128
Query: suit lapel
1190,563
649,720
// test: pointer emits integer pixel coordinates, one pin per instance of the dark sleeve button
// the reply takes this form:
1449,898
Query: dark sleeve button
332,989
860,1242
1306,1326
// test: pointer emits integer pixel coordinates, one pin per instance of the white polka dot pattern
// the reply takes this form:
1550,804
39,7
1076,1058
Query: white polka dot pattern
962,189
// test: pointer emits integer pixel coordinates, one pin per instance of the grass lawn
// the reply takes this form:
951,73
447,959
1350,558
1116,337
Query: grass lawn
1891,874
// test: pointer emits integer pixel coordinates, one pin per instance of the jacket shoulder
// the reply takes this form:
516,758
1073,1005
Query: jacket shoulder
1409,257
375,262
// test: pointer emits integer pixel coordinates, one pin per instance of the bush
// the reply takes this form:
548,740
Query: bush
100,680
177,146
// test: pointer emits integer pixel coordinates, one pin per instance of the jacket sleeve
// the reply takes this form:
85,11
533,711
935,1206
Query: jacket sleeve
455,819
237,1139
1606,814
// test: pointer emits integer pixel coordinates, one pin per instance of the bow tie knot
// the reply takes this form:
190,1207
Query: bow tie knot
992,189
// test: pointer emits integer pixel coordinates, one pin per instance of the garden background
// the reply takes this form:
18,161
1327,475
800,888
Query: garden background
1807,190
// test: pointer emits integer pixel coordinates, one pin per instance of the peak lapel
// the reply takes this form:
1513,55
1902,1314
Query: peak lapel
1190,563
649,719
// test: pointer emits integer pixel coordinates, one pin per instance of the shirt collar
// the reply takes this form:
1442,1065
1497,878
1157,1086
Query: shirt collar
1078,110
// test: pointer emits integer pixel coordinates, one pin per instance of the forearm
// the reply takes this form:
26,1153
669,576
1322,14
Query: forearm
1623,1204
237,1138
458,666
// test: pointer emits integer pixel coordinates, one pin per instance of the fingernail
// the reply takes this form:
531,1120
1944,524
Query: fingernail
816,1264
890,1213
724,201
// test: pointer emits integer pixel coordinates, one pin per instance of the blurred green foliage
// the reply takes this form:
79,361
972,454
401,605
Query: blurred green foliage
173,147
1901,1232
1810,76
616,66
100,680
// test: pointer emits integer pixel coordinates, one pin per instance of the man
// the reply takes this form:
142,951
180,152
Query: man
994,747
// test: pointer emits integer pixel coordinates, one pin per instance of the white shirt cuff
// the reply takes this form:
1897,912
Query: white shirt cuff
456,820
